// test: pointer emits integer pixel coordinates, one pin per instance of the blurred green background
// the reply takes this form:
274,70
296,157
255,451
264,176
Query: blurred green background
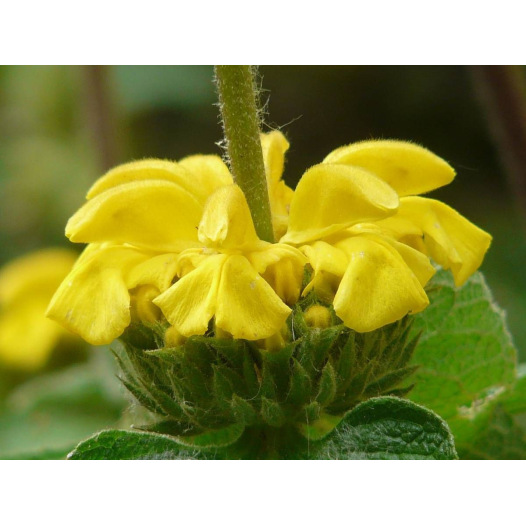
56,138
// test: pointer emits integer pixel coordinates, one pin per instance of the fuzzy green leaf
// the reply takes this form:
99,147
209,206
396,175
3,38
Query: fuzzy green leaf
213,437
496,427
132,445
327,386
243,411
387,428
300,385
465,352
320,427
272,413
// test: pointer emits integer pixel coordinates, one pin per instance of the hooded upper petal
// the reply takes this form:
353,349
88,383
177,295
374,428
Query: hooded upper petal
408,168
206,173
332,197
198,174
152,214
227,222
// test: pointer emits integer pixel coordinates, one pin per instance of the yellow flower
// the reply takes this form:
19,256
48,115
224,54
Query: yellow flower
368,241
223,278
94,300
27,338
429,225
138,219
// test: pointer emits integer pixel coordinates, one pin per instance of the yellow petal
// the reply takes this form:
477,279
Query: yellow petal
406,167
27,337
156,270
144,170
206,173
93,300
417,261
247,307
280,199
285,278
377,288
282,267
272,253
157,215
198,174
332,197
449,238
274,146
190,303
226,221
329,265
142,308
191,258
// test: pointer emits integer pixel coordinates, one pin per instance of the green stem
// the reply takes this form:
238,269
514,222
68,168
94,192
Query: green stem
237,97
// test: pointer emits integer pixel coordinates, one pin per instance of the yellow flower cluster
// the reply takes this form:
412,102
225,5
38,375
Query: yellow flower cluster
176,240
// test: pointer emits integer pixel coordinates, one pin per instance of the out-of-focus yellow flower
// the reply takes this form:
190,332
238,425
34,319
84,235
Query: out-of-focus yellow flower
139,218
223,278
368,241
27,337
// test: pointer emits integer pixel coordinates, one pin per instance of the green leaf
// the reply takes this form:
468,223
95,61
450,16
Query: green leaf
496,435
387,428
327,385
272,413
300,385
213,437
320,427
496,428
465,352
243,410
131,445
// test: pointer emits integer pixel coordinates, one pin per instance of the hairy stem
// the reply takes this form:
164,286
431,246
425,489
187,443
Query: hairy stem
239,112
